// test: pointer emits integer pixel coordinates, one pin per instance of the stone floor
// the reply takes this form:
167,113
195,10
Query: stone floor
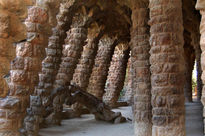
194,119
87,126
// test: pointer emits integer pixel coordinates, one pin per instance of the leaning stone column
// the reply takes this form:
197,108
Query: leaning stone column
84,68
116,75
72,49
12,29
201,6
140,70
24,73
40,101
100,70
51,63
167,68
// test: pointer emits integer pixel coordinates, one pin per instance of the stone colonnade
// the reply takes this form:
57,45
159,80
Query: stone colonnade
157,67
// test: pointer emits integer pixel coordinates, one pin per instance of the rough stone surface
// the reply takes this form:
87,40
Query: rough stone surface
189,57
200,6
140,71
50,65
24,72
128,96
167,68
191,22
84,68
72,49
116,75
11,30
42,65
100,70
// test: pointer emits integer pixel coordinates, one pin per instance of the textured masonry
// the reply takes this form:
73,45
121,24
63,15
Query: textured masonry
128,85
191,22
141,83
84,68
189,57
202,43
116,75
72,49
156,77
201,6
24,73
167,68
40,103
12,29
100,70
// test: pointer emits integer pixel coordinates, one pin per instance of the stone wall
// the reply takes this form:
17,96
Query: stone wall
12,29
29,55
201,6
24,72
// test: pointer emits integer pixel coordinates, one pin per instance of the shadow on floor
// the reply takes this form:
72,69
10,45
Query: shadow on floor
88,126
194,119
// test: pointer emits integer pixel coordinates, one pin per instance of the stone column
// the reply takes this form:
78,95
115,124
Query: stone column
24,73
116,75
198,69
189,64
128,85
84,68
201,6
189,57
51,63
167,68
72,49
199,73
100,70
71,53
140,70
40,102
12,30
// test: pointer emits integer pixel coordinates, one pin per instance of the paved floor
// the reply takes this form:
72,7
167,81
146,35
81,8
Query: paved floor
194,119
87,126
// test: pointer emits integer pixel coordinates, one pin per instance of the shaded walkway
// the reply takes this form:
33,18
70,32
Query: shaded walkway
88,126
194,119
